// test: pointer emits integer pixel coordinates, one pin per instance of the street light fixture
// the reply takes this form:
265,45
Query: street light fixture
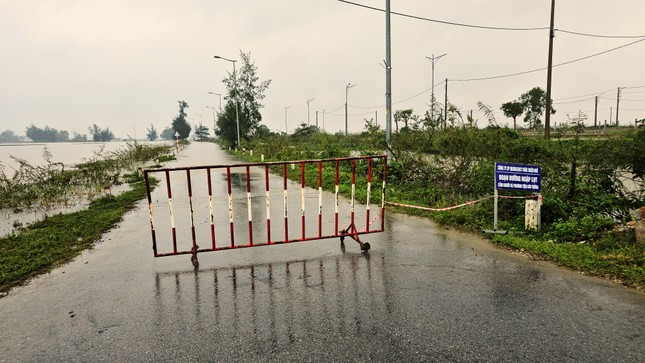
349,85
308,101
237,115
433,59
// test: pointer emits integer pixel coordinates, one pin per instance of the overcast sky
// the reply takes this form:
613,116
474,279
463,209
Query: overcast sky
124,64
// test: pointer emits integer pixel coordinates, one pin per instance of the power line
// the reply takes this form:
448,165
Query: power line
445,21
600,35
397,102
543,68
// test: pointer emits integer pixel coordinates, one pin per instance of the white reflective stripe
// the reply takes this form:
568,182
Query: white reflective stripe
319,200
285,204
353,191
172,216
152,220
248,203
210,208
302,199
336,199
383,196
368,195
268,206
230,208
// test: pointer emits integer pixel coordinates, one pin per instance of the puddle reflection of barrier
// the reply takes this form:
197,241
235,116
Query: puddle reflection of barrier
278,302
376,165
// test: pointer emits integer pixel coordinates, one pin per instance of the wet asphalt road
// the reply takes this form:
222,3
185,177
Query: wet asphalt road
421,294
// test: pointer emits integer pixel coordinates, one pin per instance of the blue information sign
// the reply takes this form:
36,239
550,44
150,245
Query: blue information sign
518,177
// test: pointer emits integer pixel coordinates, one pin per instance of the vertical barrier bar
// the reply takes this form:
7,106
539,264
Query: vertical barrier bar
286,220
152,221
353,190
230,205
336,202
190,204
172,215
319,199
383,194
369,185
210,207
248,204
266,179
302,196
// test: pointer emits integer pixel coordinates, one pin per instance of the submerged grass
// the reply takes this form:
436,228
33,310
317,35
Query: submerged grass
56,240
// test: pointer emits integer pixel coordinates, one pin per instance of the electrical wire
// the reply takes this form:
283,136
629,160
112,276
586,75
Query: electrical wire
599,35
544,68
445,22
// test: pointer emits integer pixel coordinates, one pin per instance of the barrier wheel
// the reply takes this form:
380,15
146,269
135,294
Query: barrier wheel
366,246
194,260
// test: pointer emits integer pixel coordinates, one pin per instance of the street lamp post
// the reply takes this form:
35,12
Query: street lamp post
308,101
433,59
220,99
237,115
214,118
347,87
286,128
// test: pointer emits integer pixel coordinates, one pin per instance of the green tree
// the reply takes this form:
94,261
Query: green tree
79,137
246,84
152,133
513,109
179,123
201,132
168,134
9,136
47,134
402,116
534,102
99,134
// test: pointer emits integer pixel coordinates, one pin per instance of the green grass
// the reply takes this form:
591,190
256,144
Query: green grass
56,240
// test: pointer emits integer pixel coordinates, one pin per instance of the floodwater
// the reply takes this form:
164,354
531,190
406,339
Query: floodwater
67,153
421,293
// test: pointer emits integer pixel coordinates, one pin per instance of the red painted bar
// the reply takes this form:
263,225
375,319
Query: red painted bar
152,225
369,185
383,194
319,202
228,182
286,220
248,193
190,203
266,179
353,188
210,206
174,230
302,182
336,201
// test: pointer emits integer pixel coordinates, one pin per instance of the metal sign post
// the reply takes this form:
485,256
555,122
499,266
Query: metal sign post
518,177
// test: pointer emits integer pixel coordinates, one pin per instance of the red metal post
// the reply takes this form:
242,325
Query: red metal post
286,220
230,205
268,200
353,190
190,204
172,217
383,194
248,204
369,185
336,201
319,199
210,207
302,196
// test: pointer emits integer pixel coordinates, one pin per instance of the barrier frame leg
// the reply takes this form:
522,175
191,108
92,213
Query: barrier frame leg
353,233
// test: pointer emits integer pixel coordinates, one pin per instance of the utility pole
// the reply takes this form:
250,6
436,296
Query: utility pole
611,113
316,118
286,129
349,85
388,84
617,103
323,119
376,117
547,118
445,108
433,59
308,101
595,113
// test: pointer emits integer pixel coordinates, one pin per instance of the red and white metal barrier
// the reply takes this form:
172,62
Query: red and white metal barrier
305,234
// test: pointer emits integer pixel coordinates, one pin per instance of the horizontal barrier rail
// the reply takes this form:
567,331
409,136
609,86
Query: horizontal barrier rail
305,234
